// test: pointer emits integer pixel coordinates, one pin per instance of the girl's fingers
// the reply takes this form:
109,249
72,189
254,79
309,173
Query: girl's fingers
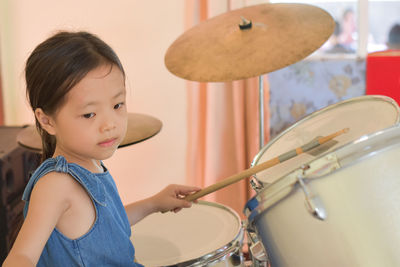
187,189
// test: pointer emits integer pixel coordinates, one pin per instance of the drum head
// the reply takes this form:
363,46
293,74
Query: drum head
169,238
362,115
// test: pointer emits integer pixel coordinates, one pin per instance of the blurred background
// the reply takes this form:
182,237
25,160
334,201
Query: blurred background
141,32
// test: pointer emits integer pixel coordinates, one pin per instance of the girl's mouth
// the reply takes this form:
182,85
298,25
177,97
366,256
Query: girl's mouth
108,142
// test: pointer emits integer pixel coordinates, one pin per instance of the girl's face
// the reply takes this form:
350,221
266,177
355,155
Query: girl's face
92,122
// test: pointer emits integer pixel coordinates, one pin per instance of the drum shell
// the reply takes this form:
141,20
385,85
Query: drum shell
361,200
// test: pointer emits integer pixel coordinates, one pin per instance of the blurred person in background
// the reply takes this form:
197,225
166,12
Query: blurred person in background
348,34
336,45
393,42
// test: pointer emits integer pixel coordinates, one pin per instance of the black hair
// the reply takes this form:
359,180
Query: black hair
58,64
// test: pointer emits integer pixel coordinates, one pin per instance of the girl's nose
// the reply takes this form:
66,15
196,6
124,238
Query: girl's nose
108,124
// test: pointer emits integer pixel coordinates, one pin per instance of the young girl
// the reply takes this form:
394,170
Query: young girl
73,213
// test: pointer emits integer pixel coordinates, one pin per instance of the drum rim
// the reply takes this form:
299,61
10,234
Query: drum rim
316,113
252,209
223,250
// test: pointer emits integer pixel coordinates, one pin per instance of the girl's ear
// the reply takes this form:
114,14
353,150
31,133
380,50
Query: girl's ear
45,121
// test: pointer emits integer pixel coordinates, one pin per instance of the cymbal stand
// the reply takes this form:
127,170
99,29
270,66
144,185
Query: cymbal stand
261,110
255,184
246,24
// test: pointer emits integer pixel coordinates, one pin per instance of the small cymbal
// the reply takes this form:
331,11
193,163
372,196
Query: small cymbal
30,138
217,50
140,127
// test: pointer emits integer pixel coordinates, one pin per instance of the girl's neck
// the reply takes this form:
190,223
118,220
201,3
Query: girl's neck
92,165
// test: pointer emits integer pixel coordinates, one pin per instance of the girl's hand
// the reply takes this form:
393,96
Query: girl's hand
168,199
171,198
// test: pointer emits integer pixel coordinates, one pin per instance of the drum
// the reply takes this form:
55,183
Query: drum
340,209
207,234
362,115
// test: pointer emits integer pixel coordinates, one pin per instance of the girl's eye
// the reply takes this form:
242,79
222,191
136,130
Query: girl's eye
119,105
88,115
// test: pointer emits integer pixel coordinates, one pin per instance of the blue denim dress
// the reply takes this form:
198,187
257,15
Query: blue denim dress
107,243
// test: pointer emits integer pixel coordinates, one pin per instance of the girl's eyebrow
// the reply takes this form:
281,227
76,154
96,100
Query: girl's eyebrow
120,93
93,103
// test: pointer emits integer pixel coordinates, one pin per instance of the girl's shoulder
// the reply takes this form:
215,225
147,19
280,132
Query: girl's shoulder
56,187
56,180
50,182
58,172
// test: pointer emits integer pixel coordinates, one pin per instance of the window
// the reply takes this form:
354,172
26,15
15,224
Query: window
383,16
362,26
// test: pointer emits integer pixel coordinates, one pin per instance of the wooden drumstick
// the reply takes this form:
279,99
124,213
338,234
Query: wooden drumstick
265,165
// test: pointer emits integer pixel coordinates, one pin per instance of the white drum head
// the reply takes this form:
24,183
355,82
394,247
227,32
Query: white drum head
362,115
169,238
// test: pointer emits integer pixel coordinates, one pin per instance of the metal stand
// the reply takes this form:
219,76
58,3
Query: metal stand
247,25
261,109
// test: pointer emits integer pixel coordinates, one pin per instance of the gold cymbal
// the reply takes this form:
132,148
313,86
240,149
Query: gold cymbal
140,128
30,138
217,50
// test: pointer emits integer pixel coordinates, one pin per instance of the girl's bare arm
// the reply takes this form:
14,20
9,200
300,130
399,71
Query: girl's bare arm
49,200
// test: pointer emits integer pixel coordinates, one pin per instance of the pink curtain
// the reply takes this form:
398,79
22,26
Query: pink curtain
223,128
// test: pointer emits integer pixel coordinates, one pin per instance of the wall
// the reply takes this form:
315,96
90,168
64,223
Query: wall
140,32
